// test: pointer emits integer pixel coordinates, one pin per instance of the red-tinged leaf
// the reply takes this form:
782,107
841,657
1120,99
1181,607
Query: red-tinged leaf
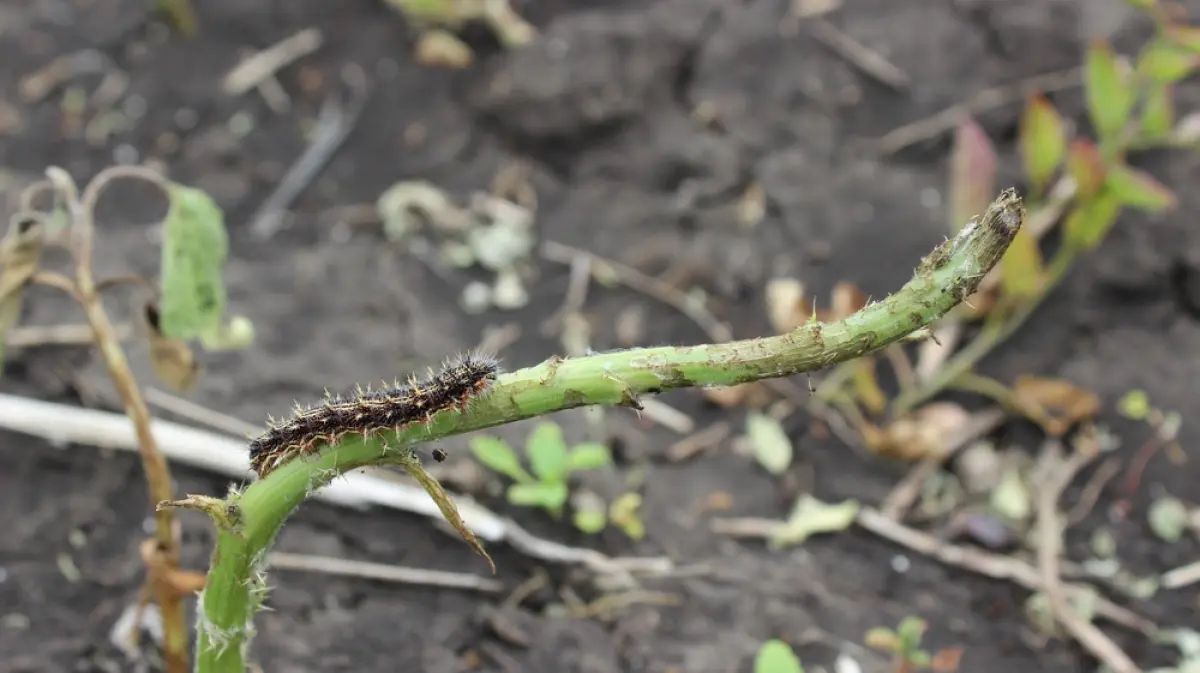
1043,141
1166,62
972,173
1021,268
1185,36
1158,112
1108,91
1090,221
1137,189
1086,167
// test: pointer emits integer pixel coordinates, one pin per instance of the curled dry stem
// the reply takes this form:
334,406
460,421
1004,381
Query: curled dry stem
81,209
236,585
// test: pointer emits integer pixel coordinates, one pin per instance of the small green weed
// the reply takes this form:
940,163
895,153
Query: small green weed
776,656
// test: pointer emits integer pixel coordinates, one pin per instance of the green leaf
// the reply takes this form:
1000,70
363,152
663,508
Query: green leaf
195,245
588,456
547,452
972,174
1144,5
1134,405
497,455
1089,221
1168,518
1165,62
1158,112
1183,35
810,517
589,521
1086,167
776,656
623,512
1109,95
771,445
1137,189
1022,270
547,495
1043,141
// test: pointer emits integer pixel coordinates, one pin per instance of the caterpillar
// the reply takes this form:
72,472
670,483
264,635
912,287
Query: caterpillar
369,412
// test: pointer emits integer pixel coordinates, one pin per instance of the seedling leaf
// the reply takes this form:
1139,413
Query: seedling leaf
776,656
1158,112
771,445
1086,166
547,452
1089,221
1168,518
811,516
497,455
1109,96
589,521
588,456
1137,189
1185,36
623,512
972,173
1021,266
1164,62
1134,405
195,245
547,495
1043,141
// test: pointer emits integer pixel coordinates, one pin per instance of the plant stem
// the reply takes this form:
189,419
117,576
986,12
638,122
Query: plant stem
154,465
993,334
236,582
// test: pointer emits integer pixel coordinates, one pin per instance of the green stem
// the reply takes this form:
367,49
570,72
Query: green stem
236,582
993,334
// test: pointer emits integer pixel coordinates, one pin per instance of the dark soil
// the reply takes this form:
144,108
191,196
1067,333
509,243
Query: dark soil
600,109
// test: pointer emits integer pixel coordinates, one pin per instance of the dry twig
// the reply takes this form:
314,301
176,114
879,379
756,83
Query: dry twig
382,571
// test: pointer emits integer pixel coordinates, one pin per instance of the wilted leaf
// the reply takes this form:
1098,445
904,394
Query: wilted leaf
1168,518
547,451
1022,270
1086,167
547,495
405,205
1089,221
624,514
776,656
195,245
1055,404
1138,189
442,49
1109,95
588,456
866,386
496,454
810,517
883,639
1043,141
930,431
1158,112
771,445
446,505
172,359
1164,62
972,173
20,258
1134,405
946,660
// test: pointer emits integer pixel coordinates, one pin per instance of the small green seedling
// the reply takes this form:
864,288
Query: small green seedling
551,462
776,656
904,644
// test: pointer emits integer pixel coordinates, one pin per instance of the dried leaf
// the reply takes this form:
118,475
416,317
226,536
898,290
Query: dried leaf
787,307
440,48
752,207
972,173
445,505
1043,141
771,445
930,431
1055,404
866,386
810,517
845,300
20,258
753,395
172,359
1138,189
1085,165
1107,89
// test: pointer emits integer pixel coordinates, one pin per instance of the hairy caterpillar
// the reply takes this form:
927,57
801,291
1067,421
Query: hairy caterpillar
370,412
